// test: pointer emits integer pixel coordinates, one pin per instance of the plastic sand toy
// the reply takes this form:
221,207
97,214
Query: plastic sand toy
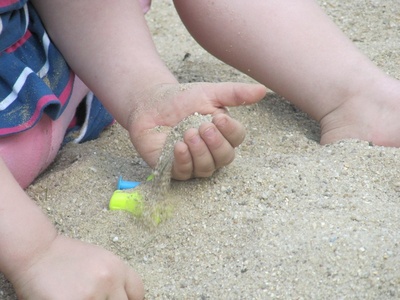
134,203
126,185
149,200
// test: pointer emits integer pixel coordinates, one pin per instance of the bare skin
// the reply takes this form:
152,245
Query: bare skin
44,265
315,66
296,50
129,80
203,149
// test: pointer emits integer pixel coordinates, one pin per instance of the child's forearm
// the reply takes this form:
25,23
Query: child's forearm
108,45
25,232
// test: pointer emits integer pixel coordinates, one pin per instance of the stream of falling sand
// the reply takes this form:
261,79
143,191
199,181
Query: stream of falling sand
158,206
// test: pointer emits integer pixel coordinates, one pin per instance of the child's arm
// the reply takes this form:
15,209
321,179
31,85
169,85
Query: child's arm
109,46
21,223
43,265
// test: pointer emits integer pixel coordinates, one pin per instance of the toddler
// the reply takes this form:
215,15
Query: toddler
68,68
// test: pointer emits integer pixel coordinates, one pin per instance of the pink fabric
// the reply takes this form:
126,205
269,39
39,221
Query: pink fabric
4,3
29,153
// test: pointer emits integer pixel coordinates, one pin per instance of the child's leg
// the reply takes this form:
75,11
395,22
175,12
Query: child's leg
296,50
28,153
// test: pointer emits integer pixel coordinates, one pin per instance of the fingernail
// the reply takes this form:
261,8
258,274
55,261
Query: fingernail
195,139
209,132
221,122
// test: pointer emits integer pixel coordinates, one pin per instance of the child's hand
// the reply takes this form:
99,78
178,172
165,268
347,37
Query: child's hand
204,149
71,269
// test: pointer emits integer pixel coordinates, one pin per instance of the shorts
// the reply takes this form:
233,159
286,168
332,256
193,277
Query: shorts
43,104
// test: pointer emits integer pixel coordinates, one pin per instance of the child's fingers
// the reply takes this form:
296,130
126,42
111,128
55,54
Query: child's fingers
203,162
120,294
233,131
235,94
182,168
219,147
134,291
211,98
208,148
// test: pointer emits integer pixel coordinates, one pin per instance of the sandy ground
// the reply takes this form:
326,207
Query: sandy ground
289,219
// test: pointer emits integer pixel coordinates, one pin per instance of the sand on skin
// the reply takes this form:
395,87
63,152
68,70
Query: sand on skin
289,219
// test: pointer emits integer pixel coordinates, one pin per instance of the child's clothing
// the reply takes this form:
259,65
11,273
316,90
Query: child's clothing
35,79
36,85
28,153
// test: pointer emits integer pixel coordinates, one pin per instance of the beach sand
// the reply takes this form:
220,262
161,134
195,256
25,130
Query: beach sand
288,219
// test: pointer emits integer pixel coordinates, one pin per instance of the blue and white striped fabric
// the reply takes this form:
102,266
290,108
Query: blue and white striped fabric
34,77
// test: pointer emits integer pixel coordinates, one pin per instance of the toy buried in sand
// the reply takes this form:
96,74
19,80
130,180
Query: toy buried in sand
140,201
149,200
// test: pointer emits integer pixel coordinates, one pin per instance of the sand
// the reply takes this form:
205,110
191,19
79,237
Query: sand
288,219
